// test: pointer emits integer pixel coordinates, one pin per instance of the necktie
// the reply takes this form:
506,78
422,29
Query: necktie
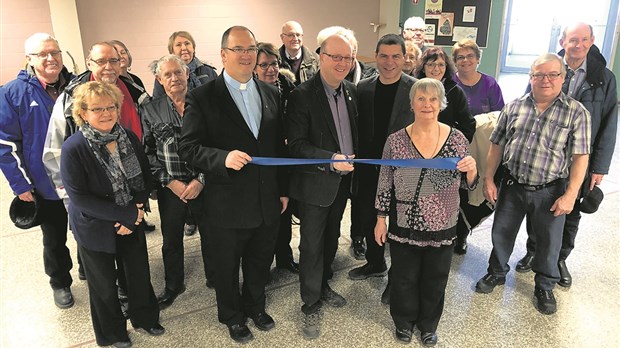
569,75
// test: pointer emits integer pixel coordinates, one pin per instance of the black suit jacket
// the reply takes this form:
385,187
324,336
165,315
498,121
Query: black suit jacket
311,133
212,127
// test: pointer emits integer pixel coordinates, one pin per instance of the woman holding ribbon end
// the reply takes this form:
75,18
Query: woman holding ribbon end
427,205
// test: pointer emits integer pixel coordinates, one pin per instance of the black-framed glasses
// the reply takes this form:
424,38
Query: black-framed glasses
415,30
99,111
551,76
338,58
239,50
470,56
266,66
292,35
104,62
43,55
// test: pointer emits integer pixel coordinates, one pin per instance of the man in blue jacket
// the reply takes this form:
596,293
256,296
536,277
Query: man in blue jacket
25,107
591,83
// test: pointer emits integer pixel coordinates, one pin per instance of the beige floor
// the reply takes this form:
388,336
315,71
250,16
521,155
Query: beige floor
588,314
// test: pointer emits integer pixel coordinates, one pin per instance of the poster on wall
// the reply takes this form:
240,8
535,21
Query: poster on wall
469,14
460,33
433,9
429,34
446,23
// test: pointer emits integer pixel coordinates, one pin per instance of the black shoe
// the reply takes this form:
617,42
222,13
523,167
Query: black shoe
525,264
63,298
332,298
148,227
123,344
240,333
404,335
189,230
385,296
81,273
156,330
566,280
263,321
312,323
545,301
488,283
166,298
460,246
367,271
428,338
291,266
359,249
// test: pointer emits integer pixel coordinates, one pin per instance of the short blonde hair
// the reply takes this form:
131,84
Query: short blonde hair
88,91
465,44
433,86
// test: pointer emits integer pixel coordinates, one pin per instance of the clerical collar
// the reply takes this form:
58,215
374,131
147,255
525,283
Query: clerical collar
242,86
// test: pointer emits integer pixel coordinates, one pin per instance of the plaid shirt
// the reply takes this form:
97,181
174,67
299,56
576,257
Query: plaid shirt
162,130
538,147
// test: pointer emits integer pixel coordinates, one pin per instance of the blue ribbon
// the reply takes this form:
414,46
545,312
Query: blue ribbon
434,163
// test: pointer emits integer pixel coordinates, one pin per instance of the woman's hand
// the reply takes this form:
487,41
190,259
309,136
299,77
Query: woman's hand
140,213
381,230
467,165
122,230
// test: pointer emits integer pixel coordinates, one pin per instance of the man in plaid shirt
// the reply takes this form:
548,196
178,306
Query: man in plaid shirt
179,184
543,140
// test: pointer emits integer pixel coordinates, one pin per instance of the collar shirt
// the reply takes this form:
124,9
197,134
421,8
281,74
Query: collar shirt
340,114
577,78
538,147
297,56
247,99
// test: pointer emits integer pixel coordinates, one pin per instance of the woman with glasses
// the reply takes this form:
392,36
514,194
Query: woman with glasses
182,44
268,70
126,61
483,93
411,58
108,180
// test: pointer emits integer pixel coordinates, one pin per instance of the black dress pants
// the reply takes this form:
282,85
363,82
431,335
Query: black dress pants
320,230
109,324
252,249
173,213
56,257
419,278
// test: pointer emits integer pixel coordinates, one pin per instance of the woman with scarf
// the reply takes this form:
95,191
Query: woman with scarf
182,44
107,178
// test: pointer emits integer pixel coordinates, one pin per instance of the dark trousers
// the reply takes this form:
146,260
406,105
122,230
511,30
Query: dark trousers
513,204
109,324
252,249
283,252
173,213
569,233
419,278
319,230
56,257
364,214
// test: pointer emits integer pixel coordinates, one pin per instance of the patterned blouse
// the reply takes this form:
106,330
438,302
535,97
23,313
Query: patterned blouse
427,200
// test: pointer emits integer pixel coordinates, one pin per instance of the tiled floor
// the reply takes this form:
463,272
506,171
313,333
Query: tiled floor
588,313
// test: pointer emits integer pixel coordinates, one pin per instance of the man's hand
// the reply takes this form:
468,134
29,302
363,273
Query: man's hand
596,179
192,190
122,230
343,166
284,201
237,159
564,204
26,196
177,187
489,190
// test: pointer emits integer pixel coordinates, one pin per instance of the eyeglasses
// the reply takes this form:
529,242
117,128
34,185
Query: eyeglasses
551,76
415,30
43,55
292,35
104,62
338,58
99,111
266,66
470,56
435,65
239,50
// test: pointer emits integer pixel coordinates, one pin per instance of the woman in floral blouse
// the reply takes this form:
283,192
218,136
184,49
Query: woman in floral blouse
427,205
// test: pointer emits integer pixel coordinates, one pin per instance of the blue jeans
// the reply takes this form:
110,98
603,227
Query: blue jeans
513,204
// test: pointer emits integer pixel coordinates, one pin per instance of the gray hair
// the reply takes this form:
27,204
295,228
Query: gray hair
546,58
429,85
155,66
33,42
414,22
327,32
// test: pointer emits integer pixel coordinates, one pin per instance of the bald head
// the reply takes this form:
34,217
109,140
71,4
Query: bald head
292,37
576,41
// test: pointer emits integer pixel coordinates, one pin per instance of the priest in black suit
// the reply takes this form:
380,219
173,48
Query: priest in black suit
227,121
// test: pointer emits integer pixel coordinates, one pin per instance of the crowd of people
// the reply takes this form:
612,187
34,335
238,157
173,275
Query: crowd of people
92,149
